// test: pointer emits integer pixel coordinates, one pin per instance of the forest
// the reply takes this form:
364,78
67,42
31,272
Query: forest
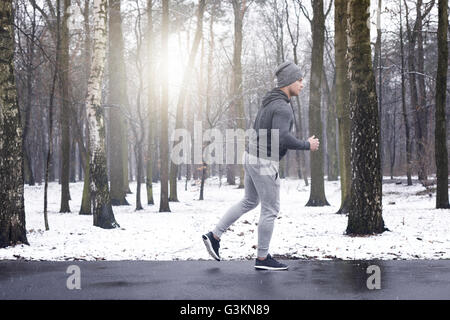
92,91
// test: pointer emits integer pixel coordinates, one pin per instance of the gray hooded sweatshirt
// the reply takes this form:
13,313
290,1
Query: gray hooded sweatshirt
276,113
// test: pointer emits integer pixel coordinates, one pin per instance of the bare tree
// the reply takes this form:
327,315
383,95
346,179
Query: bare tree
101,201
50,112
65,107
85,208
420,112
441,95
404,112
378,70
27,55
294,36
137,122
118,101
182,96
365,215
164,139
317,195
12,209
240,7
342,102
332,156
151,103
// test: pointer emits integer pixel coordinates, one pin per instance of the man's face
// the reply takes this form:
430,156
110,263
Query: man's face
296,87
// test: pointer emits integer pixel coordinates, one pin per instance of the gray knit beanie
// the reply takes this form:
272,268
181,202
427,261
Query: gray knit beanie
287,73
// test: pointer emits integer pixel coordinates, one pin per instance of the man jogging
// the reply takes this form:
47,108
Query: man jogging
261,180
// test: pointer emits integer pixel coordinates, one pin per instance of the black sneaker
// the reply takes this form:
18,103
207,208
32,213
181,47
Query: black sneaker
212,245
269,264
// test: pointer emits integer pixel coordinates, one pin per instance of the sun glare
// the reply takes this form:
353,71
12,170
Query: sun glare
176,62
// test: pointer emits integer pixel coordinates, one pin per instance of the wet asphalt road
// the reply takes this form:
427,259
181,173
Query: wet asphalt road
225,280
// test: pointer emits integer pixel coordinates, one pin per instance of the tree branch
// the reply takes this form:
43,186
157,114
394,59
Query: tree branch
305,12
329,8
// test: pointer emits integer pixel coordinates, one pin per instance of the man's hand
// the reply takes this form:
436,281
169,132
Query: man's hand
313,143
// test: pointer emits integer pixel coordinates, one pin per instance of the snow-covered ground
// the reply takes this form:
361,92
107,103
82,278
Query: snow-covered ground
417,230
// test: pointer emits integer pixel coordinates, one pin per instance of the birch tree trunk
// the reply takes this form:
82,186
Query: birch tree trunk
365,216
12,208
100,198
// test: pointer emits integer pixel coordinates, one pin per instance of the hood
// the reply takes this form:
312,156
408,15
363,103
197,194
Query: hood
273,95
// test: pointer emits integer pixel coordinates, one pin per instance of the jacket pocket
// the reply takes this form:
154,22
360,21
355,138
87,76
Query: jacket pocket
275,169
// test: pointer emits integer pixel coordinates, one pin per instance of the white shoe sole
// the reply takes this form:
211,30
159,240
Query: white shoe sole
270,268
208,245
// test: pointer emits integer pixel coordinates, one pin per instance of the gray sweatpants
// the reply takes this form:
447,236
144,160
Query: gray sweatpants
262,184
